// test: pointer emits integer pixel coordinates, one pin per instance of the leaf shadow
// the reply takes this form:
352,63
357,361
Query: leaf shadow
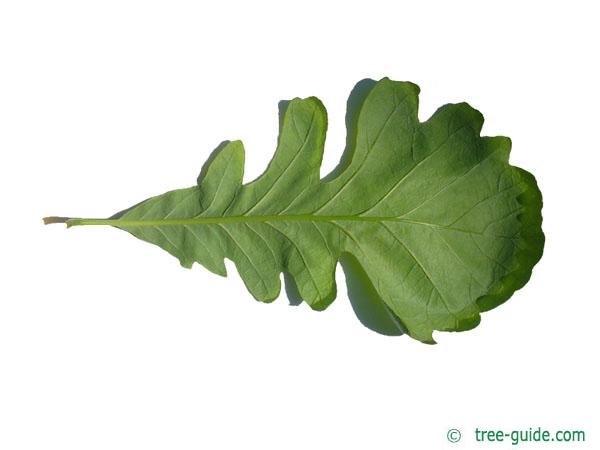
368,306
354,104
210,159
291,290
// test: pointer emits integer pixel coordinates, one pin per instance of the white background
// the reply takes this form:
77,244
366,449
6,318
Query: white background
107,343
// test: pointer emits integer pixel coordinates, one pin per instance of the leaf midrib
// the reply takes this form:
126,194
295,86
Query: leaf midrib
240,219
219,220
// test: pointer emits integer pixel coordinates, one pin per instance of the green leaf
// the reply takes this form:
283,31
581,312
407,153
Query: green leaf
432,224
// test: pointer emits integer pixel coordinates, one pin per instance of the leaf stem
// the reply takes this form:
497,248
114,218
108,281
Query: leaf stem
56,219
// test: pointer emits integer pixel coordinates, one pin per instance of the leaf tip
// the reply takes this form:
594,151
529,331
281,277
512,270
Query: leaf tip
186,263
429,341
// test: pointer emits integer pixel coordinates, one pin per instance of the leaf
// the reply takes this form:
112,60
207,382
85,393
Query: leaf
432,224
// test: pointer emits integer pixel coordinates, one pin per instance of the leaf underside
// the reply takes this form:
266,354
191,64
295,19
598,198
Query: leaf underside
431,223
